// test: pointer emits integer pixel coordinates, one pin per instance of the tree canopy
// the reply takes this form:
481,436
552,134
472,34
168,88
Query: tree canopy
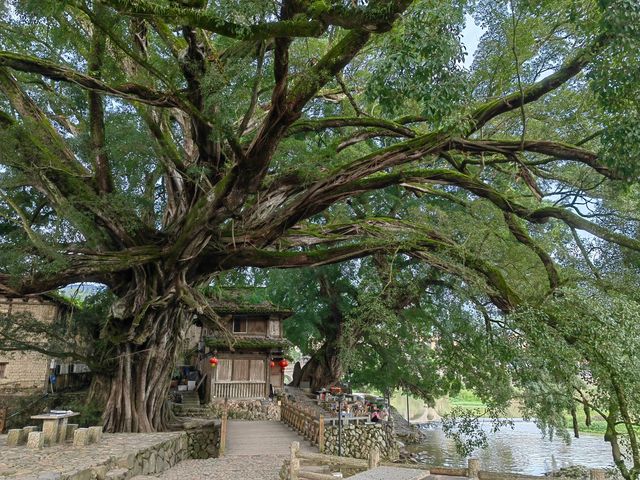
149,146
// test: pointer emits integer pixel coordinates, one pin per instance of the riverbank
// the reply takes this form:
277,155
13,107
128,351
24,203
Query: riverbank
466,400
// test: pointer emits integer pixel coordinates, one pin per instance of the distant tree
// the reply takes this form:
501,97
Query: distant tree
148,146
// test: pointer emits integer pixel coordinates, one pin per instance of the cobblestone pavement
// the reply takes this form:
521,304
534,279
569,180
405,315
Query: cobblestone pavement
255,451
251,467
26,463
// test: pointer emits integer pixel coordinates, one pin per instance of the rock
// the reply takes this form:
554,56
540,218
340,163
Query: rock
127,462
49,476
117,474
87,474
100,472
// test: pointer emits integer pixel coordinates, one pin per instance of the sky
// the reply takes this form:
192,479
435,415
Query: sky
470,39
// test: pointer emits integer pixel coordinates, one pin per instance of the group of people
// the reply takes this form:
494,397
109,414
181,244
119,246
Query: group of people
364,409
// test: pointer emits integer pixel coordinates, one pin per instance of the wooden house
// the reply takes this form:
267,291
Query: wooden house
248,352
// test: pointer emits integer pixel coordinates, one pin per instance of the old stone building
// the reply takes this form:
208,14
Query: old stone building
29,371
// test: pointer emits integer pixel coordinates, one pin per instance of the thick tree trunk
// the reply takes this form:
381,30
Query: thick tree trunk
323,369
137,399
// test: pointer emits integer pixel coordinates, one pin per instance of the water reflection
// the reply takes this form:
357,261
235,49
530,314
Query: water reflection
520,450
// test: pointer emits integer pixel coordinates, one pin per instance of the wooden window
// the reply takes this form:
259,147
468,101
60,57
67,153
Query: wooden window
3,369
240,370
224,370
257,372
239,325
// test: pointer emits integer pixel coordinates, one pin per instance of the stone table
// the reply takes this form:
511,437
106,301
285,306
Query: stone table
54,425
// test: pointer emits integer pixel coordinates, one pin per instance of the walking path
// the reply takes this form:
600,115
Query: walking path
255,451
63,460
262,438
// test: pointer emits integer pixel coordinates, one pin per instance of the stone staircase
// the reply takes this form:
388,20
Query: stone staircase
190,399
190,405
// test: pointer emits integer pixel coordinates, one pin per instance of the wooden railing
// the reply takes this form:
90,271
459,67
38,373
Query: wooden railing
304,421
223,432
348,421
239,390
296,473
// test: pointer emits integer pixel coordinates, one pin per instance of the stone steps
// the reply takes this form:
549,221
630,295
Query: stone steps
190,402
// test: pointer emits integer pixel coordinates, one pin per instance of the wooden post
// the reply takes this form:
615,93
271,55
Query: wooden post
3,419
473,467
294,461
321,434
596,474
374,457
223,432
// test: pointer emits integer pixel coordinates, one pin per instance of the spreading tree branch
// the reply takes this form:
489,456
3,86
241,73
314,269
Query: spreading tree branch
128,91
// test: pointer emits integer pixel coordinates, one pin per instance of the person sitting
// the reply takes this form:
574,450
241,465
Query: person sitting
375,416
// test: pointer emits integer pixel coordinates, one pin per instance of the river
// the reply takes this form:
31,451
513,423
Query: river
522,449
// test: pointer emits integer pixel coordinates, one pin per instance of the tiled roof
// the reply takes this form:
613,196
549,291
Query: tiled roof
225,301
225,308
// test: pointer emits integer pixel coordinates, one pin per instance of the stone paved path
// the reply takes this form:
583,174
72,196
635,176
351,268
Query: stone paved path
25,463
248,467
255,451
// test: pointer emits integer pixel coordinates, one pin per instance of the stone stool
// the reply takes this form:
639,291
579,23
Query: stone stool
14,437
71,429
95,434
25,433
81,437
35,440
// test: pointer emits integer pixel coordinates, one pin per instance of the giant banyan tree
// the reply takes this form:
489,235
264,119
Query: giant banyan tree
149,145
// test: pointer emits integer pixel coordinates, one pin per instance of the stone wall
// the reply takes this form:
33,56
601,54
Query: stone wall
358,440
199,442
26,370
203,440
246,409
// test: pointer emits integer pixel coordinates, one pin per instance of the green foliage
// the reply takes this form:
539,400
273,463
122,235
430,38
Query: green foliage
90,413
417,66
220,152
464,426
616,83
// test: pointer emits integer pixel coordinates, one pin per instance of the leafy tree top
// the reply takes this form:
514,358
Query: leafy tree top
197,136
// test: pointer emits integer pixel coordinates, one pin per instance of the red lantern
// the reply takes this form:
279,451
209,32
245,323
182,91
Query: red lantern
284,363
213,361
272,364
